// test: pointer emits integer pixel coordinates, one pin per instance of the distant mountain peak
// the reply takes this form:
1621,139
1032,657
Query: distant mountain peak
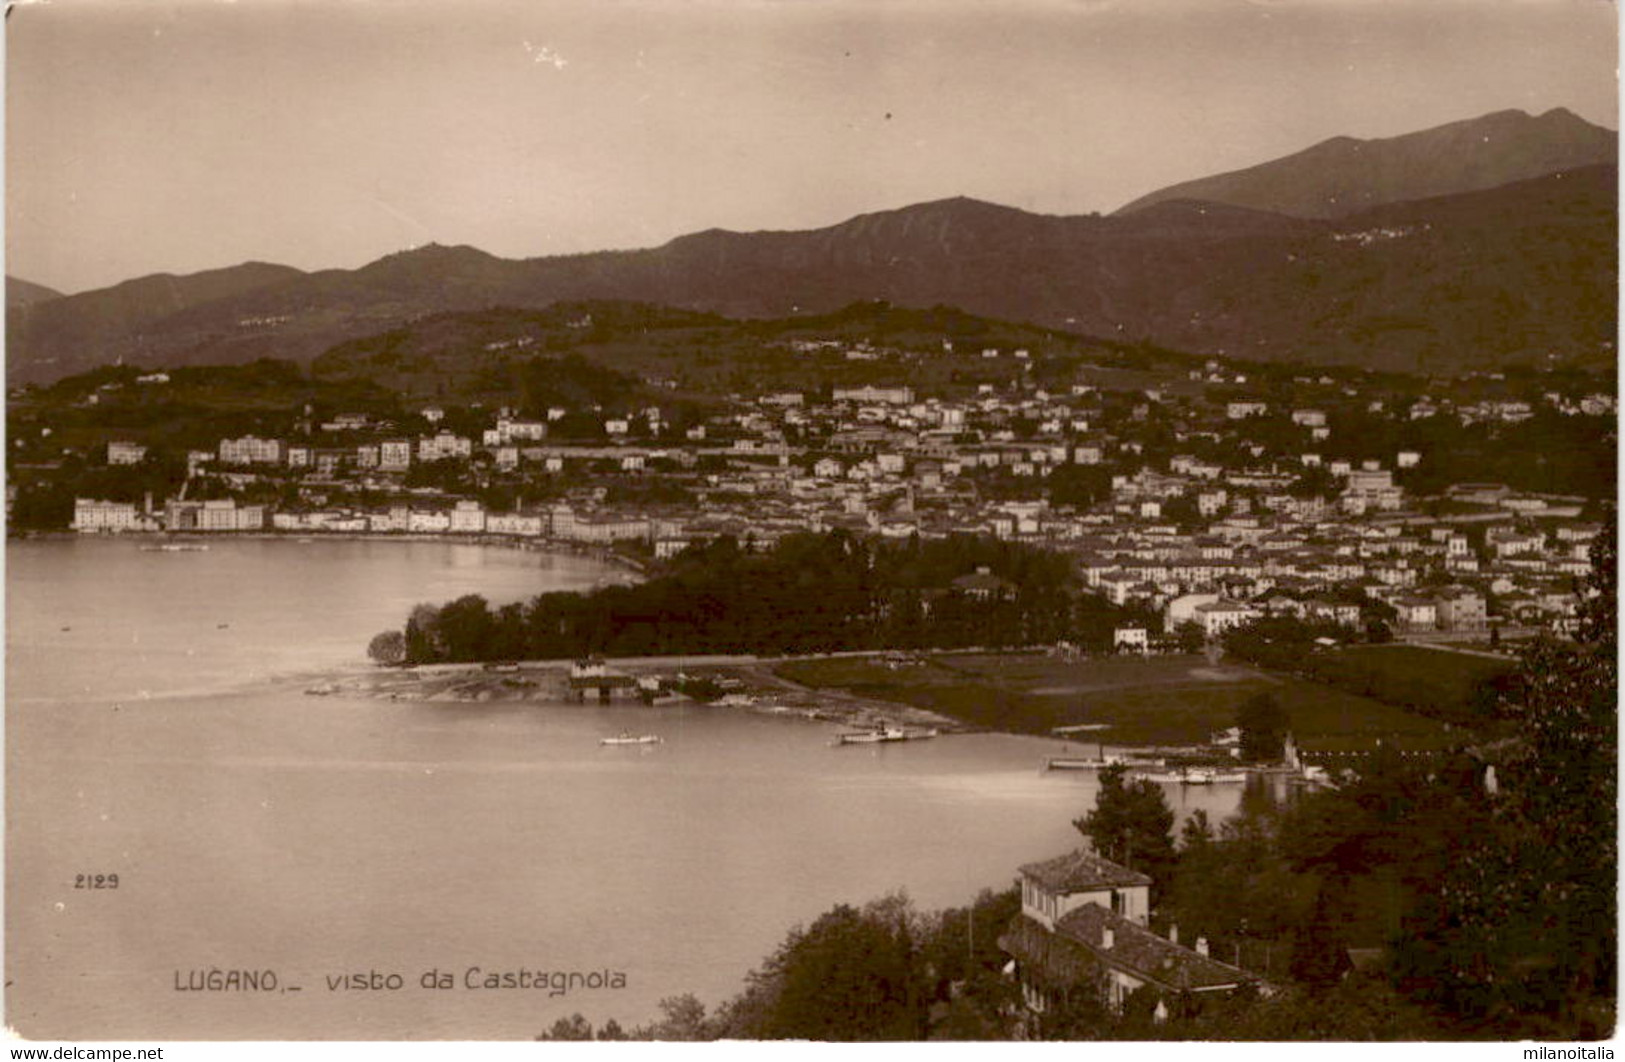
1343,174
433,251
965,205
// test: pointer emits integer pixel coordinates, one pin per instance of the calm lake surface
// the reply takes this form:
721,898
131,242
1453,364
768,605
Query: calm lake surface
157,729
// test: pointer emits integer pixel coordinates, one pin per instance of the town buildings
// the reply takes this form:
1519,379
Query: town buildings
1182,515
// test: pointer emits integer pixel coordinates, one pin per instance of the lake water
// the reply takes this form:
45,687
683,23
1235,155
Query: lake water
156,728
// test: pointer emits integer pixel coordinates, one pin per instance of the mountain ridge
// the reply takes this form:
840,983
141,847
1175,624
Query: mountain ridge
1206,276
20,292
1342,174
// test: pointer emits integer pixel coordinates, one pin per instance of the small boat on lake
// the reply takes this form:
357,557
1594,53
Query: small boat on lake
1101,759
881,736
177,547
630,739
1193,776
870,737
1213,776
1095,763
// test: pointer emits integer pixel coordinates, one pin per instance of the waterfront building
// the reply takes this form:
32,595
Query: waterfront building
91,516
528,525
467,518
222,514
432,522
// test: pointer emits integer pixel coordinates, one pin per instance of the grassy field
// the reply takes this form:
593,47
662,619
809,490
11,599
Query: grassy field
1161,700
1448,675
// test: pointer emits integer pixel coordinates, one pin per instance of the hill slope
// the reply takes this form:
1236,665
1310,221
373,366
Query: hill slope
76,332
1520,273
1343,175
23,293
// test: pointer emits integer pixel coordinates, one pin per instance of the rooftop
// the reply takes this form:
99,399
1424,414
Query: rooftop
1082,871
1077,946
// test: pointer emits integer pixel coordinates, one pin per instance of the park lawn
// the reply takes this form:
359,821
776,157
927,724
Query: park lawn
1451,676
1176,700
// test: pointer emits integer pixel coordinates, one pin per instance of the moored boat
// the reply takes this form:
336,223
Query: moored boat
630,739
870,737
1194,776
1213,776
885,734
1095,763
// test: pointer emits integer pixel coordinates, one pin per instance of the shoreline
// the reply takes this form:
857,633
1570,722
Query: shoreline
527,544
749,684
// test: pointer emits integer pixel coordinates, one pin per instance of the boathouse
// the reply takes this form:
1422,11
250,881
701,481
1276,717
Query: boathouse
593,675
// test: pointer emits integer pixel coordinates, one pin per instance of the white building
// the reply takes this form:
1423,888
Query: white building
91,516
528,525
432,522
1221,616
251,450
394,455
125,453
867,395
467,518
1130,639
444,446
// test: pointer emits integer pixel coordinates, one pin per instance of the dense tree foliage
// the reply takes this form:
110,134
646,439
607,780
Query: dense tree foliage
1522,926
1082,486
883,971
45,498
388,647
1132,824
810,593
1264,724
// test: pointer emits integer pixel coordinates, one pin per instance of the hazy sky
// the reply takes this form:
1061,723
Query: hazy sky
146,136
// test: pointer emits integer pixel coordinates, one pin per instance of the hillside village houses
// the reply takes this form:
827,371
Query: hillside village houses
1195,537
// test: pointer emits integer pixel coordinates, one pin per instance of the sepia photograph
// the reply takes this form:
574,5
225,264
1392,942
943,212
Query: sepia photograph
811,520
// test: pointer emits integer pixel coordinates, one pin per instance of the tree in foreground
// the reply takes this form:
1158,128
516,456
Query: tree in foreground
850,976
1132,824
682,1020
1520,930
